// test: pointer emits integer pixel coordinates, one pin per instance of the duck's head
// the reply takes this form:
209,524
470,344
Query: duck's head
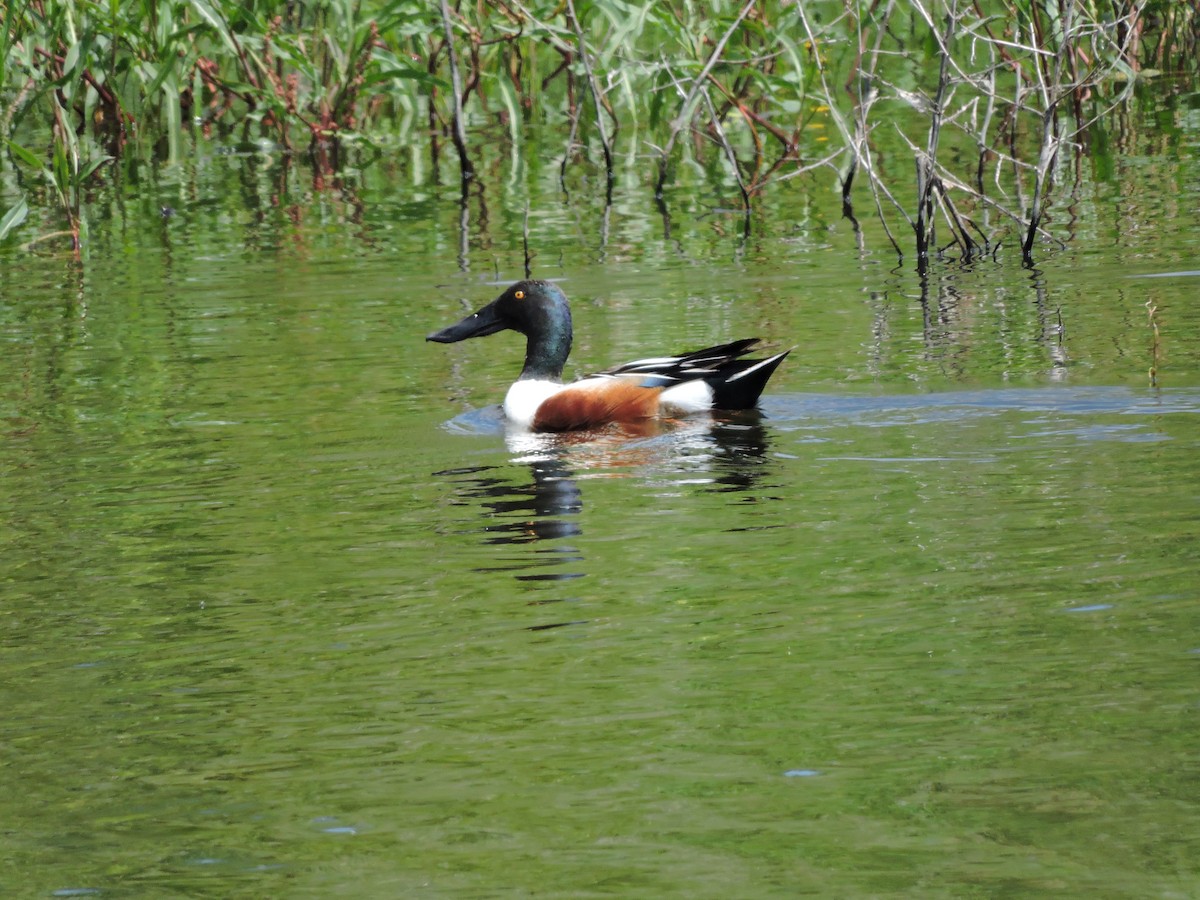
538,310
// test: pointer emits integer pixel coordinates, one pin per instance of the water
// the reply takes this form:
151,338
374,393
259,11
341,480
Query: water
286,611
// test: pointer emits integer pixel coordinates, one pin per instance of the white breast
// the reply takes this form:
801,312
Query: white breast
525,396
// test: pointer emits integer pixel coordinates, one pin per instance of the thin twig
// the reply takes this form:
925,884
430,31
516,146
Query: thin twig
729,154
926,162
856,143
458,130
525,244
597,100
685,109
1052,95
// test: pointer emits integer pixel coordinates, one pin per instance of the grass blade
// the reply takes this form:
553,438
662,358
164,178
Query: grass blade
14,217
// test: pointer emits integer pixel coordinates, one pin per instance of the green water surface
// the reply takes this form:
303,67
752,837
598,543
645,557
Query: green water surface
285,612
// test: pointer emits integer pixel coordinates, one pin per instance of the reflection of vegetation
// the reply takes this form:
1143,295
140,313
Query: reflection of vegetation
986,94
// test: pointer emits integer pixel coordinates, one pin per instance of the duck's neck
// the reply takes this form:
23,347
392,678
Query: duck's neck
547,347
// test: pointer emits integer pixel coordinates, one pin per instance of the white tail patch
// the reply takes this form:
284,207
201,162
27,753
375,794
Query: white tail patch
687,397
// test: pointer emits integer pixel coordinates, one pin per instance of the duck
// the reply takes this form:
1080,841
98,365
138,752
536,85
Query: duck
661,387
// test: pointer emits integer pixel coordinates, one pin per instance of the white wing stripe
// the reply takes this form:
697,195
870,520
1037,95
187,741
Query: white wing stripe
754,368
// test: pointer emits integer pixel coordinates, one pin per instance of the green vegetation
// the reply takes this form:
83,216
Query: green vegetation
767,89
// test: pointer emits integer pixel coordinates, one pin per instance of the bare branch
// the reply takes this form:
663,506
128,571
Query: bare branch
596,95
458,132
697,85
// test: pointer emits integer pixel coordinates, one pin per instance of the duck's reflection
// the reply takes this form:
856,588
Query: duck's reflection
727,453
542,514
546,509
739,459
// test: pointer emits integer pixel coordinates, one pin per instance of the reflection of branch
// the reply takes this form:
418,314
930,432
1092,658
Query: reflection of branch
1156,346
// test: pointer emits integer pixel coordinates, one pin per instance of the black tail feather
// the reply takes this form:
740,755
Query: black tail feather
736,382
739,383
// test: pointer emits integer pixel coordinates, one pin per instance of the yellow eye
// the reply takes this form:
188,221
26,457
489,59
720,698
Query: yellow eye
520,295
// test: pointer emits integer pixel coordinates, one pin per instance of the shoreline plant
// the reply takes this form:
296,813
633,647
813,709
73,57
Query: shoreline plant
987,96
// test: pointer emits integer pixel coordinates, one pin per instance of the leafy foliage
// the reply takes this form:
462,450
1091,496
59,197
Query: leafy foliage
769,89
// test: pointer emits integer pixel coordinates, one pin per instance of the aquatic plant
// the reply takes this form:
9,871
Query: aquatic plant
765,90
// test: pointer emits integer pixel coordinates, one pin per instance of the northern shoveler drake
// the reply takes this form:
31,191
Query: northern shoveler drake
715,378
